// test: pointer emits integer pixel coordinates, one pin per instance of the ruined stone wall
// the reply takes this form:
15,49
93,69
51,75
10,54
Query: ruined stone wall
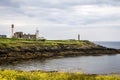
24,36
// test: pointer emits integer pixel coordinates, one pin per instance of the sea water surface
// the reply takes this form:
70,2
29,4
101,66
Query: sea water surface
109,44
106,64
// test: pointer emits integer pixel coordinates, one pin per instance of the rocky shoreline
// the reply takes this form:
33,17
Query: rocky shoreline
12,56
16,53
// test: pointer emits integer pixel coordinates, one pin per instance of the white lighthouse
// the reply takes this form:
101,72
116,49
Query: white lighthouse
37,34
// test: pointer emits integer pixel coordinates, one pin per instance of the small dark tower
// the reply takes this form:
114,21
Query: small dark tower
78,37
12,30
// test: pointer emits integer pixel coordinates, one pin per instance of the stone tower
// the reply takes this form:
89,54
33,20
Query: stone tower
78,37
12,30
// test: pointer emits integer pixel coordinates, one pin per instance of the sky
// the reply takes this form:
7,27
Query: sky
94,20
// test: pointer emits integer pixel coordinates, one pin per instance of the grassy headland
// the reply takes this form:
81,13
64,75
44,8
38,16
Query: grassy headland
16,49
19,49
41,75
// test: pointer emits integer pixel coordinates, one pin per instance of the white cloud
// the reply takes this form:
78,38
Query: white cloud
61,19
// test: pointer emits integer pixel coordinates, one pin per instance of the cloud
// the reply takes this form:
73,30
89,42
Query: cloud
8,3
62,17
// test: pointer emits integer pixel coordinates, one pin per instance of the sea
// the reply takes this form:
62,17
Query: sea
109,44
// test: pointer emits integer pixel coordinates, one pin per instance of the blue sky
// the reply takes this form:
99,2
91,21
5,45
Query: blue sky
95,20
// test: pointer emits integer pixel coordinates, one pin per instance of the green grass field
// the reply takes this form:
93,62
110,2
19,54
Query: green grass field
40,75
8,42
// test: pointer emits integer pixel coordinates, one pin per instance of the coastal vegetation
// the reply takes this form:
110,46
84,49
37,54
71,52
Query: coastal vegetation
21,49
42,75
11,42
